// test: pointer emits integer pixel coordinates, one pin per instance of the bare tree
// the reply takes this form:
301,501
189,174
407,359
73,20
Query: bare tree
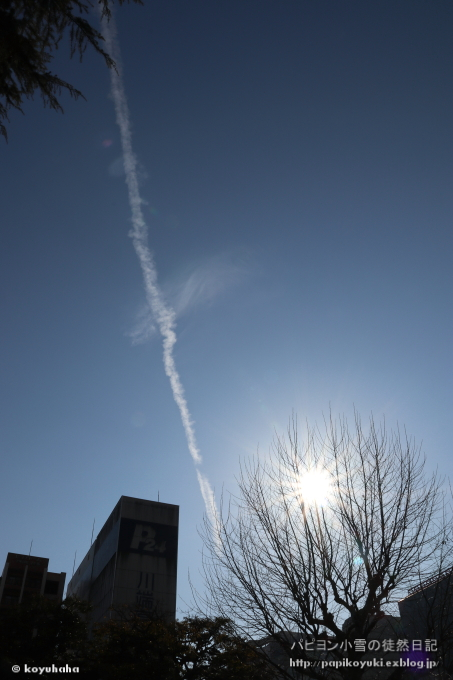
325,536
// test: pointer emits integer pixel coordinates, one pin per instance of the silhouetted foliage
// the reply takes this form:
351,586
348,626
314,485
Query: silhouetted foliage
192,649
30,30
211,648
136,645
41,632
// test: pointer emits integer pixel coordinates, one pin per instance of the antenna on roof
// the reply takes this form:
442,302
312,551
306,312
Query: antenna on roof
158,497
29,552
73,566
92,532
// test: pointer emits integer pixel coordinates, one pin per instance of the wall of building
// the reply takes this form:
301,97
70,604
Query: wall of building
427,613
133,562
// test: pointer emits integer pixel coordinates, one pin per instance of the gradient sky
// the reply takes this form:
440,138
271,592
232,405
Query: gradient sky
296,160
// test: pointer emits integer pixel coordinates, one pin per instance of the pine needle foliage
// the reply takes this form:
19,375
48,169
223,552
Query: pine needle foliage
30,32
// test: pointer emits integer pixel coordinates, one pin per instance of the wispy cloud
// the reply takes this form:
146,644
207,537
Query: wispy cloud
163,314
197,286
144,328
203,283
116,169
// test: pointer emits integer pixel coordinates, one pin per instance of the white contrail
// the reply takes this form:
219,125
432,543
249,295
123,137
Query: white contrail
163,314
209,499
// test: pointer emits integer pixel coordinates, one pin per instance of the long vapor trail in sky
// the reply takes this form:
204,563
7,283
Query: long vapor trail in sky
163,314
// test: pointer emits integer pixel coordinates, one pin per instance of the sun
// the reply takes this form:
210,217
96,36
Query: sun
314,486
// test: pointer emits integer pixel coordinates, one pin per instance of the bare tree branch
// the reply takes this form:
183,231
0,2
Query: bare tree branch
325,537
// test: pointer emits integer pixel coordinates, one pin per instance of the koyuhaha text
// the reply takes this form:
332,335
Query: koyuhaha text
39,670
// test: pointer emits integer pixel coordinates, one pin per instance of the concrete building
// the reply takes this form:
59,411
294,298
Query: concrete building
27,575
133,561
427,613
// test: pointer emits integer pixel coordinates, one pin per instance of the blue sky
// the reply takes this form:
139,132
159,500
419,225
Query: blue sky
296,162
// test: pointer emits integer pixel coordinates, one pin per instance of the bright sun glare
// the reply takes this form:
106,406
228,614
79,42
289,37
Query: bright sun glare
314,486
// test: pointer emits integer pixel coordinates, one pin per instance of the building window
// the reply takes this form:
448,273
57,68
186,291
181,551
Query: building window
34,580
14,580
16,573
51,588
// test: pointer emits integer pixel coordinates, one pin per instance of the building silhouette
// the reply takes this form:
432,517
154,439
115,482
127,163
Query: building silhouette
427,613
25,576
133,561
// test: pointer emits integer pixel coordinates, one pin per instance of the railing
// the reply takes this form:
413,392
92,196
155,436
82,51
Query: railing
430,581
